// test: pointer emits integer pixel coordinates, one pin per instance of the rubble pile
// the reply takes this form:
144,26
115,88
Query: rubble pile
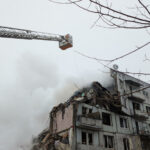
44,141
47,141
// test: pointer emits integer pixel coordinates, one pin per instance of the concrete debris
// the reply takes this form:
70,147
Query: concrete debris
95,118
95,95
92,119
47,141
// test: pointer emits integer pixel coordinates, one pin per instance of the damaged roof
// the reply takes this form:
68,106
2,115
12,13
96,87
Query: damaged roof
95,94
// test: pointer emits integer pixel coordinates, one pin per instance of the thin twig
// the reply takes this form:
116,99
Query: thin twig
117,58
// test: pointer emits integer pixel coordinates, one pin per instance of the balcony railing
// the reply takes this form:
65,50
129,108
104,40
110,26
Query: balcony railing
138,96
144,131
89,123
141,115
141,131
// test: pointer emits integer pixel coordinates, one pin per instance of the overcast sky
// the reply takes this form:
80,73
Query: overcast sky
35,75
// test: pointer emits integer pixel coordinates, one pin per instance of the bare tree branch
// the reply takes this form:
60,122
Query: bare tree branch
144,6
118,12
117,58
114,18
53,1
97,59
137,49
146,58
135,91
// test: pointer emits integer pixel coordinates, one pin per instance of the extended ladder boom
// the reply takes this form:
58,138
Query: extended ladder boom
64,41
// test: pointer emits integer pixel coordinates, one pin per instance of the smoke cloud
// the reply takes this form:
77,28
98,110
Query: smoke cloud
27,98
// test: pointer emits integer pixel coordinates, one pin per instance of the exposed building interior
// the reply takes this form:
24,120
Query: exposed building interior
96,118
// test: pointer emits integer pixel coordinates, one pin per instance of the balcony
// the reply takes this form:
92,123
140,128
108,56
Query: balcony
144,132
148,113
138,114
88,147
133,81
137,96
89,123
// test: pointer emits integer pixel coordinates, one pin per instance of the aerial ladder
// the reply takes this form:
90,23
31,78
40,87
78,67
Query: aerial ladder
65,41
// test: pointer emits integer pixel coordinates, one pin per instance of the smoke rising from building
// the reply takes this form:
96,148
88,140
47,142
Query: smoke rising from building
27,98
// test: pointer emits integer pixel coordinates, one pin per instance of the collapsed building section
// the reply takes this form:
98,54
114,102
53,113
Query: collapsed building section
97,119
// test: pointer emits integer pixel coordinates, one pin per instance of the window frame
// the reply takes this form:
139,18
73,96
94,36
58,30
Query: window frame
110,118
148,109
86,110
124,123
136,106
88,135
126,144
108,141
82,141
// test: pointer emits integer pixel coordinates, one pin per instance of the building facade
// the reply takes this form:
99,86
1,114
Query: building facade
135,101
96,118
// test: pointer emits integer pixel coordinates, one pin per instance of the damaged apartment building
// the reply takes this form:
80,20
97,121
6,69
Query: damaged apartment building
96,118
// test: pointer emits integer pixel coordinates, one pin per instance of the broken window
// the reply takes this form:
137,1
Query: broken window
106,118
148,109
84,110
90,138
84,138
87,138
136,106
108,141
126,144
137,126
123,123
90,110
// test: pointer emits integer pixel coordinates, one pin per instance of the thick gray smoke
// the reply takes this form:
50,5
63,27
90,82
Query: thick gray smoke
73,84
25,100
28,95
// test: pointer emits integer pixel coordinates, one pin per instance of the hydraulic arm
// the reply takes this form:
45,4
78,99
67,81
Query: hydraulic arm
64,41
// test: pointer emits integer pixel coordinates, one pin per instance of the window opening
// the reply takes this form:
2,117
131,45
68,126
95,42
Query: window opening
90,138
148,109
87,138
106,118
109,140
90,111
137,126
123,123
136,106
84,138
126,144
84,110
